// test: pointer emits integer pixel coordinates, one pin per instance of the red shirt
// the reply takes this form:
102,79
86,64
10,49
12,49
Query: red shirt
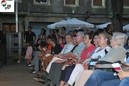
49,47
87,52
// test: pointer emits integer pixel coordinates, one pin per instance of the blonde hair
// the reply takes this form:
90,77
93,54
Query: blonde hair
107,36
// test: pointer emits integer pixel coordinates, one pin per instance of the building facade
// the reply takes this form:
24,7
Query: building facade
40,13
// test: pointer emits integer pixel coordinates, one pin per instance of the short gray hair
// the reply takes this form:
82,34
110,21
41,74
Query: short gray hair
120,38
81,33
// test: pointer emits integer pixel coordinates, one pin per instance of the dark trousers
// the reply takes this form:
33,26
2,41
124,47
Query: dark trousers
55,73
65,74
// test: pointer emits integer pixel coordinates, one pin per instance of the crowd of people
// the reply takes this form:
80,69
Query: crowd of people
79,58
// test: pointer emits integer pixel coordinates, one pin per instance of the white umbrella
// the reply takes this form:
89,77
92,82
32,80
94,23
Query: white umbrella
70,23
54,25
126,27
102,26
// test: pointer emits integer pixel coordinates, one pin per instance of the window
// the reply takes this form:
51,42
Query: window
126,3
42,2
98,3
71,3
9,27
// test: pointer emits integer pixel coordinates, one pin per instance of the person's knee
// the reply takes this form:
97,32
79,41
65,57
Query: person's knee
124,81
114,82
79,66
95,76
96,73
105,84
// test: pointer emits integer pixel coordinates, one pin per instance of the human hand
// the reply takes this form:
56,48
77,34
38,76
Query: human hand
123,74
59,61
85,66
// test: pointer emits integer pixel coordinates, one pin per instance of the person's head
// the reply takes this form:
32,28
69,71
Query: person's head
103,39
81,30
43,31
61,40
79,37
74,40
74,32
52,40
110,28
127,41
100,31
95,39
87,30
29,28
88,38
53,31
118,39
56,31
48,39
62,30
43,44
68,38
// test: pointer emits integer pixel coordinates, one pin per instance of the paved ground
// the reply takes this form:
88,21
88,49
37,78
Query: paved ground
17,75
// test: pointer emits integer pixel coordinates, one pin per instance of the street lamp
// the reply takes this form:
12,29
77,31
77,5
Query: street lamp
19,34
16,15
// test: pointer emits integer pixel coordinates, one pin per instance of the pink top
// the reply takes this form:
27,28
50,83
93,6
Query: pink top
87,52
29,52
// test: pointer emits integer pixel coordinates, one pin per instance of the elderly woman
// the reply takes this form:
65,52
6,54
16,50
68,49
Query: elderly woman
117,53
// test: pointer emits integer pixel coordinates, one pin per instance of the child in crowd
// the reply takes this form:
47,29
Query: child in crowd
28,55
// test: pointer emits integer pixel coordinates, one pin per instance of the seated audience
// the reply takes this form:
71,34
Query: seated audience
60,57
56,49
55,71
103,41
86,53
117,53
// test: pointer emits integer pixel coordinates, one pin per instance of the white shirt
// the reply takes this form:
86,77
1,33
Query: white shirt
100,53
67,48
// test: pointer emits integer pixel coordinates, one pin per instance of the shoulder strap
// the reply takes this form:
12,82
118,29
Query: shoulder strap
74,48
106,51
127,54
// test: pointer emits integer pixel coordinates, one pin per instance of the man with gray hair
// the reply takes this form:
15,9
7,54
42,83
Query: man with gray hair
76,54
80,45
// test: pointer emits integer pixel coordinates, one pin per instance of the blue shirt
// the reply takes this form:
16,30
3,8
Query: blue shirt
78,50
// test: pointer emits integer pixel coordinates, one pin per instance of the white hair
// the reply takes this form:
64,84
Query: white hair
120,38
81,33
